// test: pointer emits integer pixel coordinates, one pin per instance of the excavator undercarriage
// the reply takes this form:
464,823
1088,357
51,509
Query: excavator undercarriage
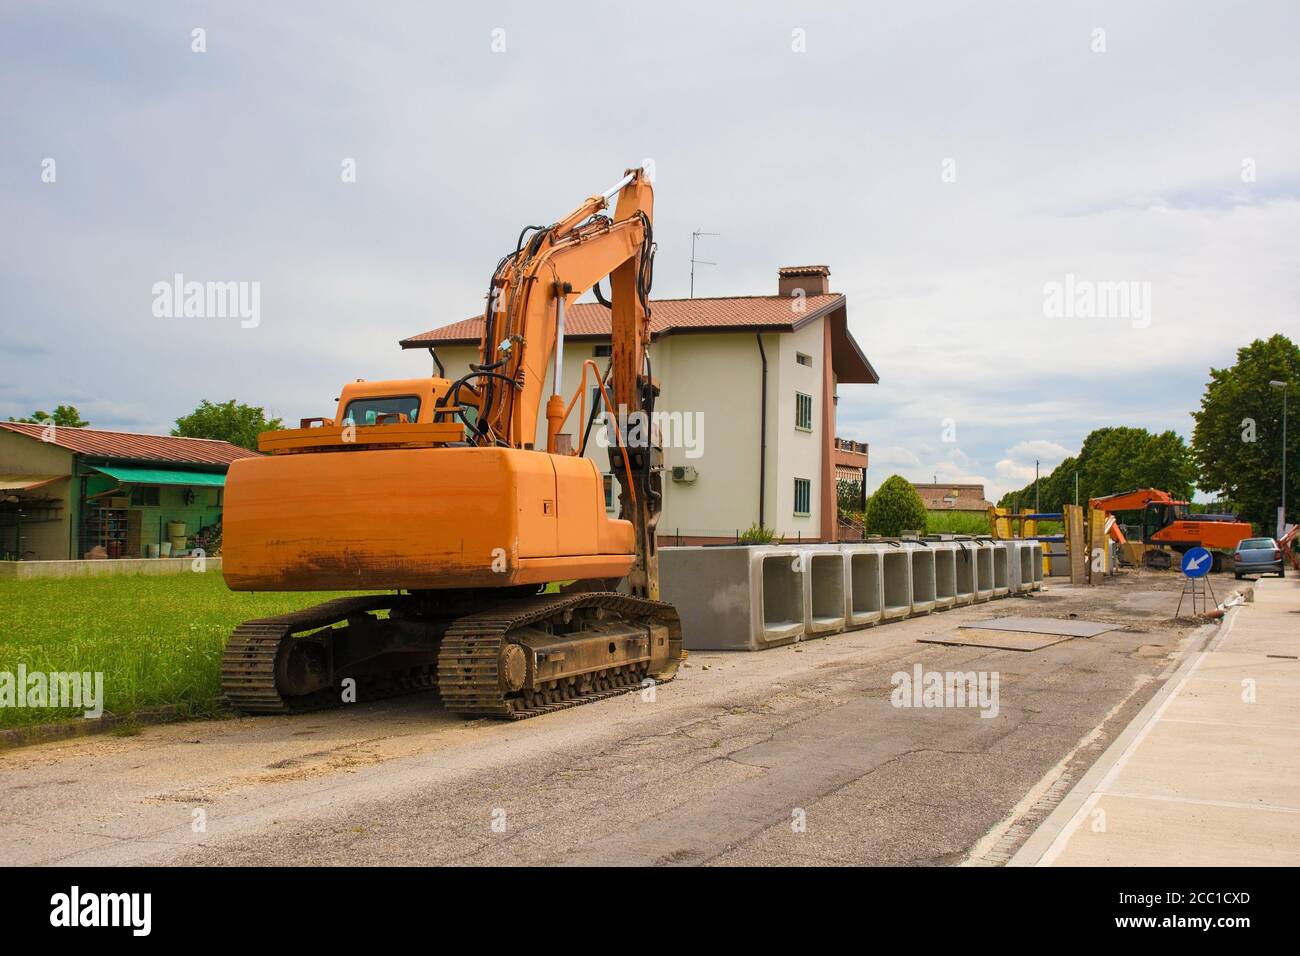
487,654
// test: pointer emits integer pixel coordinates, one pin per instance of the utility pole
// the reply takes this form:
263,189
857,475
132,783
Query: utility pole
704,262
1035,486
1281,513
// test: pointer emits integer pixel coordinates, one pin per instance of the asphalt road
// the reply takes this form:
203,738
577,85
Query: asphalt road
789,756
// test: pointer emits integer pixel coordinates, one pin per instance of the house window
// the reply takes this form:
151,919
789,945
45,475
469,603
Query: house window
609,492
603,351
803,358
598,403
145,496
802,497
803,411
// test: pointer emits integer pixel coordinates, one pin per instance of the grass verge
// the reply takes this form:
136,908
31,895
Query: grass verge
157,640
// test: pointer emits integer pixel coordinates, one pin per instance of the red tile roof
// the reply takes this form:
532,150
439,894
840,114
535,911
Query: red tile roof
592,320
945,497
129,446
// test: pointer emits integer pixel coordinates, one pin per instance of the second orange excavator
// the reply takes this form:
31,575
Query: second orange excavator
1167,522
440,492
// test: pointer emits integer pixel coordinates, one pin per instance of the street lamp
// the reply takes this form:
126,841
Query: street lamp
1281,515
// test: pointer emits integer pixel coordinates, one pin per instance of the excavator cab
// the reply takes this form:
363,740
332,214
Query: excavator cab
1157,516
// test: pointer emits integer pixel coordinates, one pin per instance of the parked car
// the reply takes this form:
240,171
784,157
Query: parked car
1258,556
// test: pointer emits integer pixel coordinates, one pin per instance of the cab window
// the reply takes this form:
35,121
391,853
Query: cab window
372,411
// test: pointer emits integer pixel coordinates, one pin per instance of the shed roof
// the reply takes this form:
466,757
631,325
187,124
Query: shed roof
129,446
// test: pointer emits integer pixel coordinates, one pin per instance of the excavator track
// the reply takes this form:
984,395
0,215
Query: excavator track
468,657
468,660
253,653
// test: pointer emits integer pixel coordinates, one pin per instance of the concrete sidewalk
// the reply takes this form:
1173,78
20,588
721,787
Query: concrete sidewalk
1209,772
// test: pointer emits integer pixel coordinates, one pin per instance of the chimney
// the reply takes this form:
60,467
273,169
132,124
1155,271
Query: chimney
814,280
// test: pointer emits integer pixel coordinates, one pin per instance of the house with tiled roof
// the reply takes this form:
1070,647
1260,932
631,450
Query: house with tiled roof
86,492
748,387
953,497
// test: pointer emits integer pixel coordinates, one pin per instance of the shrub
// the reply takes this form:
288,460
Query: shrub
895,508
756,535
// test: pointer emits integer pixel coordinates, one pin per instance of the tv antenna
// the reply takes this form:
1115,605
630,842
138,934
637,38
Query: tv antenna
704,262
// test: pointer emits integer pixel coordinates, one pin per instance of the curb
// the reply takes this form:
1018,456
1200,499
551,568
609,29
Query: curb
16,737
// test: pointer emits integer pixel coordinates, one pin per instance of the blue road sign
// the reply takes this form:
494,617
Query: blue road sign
1197,562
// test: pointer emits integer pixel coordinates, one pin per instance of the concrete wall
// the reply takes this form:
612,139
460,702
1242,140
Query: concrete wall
122,567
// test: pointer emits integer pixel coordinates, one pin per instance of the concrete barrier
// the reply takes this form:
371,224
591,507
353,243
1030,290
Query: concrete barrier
735,598
945,574
984,571
923,592
1001,574
1037,548
896,582
1021,556
964,568
752,598
823,590
864,585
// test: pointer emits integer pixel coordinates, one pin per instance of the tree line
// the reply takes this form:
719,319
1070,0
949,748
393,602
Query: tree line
1235,452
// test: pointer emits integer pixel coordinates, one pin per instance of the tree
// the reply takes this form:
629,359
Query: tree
1237,441
65,416
895,508
1113,460
227,421
848,493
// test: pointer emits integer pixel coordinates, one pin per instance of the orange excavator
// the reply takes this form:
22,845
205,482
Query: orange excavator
443,493
1167,523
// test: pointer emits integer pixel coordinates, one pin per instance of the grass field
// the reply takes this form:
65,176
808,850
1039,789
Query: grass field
157,640
956,522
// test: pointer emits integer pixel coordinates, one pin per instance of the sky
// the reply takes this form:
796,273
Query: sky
956,165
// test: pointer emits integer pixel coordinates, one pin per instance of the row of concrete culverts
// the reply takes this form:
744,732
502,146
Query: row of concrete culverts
752,598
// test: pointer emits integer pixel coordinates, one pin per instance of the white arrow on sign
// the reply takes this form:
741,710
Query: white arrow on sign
1195,563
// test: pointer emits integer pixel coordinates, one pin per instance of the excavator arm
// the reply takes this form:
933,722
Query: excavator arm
530,290
1130,500
523,335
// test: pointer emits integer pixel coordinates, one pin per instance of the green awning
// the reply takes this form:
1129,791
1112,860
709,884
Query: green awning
158,476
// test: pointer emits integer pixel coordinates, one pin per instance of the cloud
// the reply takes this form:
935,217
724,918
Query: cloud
1123,166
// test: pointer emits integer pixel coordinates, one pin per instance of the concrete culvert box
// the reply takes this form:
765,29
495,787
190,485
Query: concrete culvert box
964,567
1037,547
823,592
984,572
1001,579
945,575
866,586
896,583
1024,558
922,578
734,598
781,616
